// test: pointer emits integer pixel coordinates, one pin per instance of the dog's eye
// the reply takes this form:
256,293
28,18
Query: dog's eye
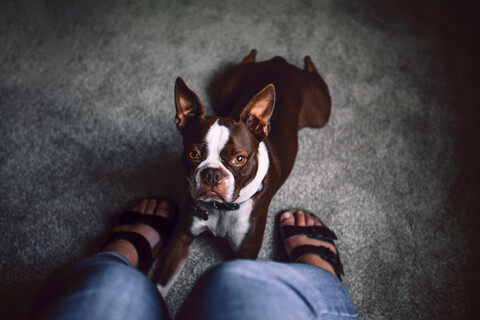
194,155
240,159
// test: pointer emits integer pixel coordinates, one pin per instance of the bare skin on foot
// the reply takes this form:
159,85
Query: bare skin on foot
146,206
302,219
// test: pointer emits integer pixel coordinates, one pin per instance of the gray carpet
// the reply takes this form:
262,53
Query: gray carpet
87,127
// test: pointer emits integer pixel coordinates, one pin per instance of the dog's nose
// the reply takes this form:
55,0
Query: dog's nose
211,177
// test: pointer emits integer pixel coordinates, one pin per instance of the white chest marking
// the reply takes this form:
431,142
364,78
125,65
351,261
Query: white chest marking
232,225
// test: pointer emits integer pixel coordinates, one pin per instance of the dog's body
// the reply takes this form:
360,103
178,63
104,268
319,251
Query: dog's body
235,165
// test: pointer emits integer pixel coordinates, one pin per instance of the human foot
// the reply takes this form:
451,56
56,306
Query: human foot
141,230
307,240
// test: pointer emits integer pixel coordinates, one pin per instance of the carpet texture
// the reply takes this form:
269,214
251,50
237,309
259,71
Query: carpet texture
87,128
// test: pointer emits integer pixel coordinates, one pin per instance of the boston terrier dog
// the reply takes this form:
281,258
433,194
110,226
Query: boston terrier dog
237,160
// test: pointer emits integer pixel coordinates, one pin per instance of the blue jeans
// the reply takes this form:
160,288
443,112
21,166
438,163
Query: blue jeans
106,286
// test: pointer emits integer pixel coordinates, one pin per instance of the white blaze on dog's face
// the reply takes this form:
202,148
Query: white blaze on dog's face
225,159
211,178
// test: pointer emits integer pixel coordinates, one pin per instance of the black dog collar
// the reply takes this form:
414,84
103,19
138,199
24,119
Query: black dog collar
201,213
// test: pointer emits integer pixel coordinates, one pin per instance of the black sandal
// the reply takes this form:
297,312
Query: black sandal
161,224
314,232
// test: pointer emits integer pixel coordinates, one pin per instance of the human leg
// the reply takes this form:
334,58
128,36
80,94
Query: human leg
245,289
106,285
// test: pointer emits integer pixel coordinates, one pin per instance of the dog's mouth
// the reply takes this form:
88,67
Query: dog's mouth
205,195
211,194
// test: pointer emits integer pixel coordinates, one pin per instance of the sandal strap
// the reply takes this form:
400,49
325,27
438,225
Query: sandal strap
144,251
161,224
314,232
325,253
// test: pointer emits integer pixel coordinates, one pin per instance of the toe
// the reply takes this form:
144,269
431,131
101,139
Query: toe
300,218
151,205
309,220
164,209
142,206
287,219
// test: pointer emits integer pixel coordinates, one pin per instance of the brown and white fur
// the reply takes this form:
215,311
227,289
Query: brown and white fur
243,158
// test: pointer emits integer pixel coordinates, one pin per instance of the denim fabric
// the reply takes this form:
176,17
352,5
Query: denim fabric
105,286
245,289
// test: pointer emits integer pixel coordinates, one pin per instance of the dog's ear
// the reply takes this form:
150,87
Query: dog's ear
188,105
256,115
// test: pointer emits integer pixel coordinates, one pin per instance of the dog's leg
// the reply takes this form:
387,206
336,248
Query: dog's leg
316,98
172,259
251,57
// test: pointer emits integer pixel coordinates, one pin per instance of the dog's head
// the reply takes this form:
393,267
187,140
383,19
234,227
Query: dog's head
225,160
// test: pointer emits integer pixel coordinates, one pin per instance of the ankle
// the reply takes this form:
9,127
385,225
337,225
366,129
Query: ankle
318,262
125,248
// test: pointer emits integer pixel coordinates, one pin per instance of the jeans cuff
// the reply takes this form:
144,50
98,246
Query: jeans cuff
115,256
